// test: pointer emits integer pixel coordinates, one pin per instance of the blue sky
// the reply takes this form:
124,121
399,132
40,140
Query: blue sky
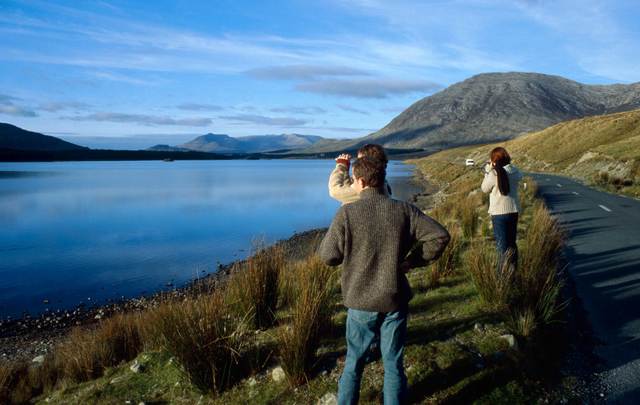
135,73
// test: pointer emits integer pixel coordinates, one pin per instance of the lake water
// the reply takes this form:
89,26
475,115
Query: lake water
74,232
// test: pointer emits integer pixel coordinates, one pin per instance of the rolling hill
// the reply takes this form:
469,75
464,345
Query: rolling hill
495,106
15,138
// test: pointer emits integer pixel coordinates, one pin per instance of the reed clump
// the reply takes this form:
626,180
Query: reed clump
449,261
310,318
538,283
83,356
204,338
467,215
527,192
86,354
493,282
254,287
528,295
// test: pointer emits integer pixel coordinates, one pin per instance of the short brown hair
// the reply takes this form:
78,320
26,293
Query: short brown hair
374,151
371,171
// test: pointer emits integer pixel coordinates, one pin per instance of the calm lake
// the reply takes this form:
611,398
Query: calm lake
74,232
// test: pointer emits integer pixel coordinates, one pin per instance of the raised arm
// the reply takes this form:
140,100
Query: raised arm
331,250
431,238
340,183
489,180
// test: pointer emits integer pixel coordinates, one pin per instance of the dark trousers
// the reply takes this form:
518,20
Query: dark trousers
505,229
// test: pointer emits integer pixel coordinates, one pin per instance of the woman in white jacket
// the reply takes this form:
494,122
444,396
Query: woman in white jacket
501,182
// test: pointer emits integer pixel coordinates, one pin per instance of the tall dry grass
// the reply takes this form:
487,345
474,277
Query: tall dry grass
254,286
527,193
8,375
310,319
467,215
203,337
18,383
494,283
529,295
538,283
449,261
82,356
86,353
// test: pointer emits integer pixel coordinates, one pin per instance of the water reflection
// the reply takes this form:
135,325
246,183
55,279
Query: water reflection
73,230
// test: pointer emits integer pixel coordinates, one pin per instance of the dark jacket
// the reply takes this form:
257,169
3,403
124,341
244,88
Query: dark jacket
371,237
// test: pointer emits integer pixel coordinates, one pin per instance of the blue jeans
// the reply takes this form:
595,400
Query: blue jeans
505,229
361,330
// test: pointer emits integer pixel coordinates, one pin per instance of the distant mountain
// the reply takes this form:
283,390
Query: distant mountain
15,138
167,148
495,106
221,143
214,143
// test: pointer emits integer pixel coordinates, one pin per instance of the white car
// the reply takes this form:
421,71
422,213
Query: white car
469,162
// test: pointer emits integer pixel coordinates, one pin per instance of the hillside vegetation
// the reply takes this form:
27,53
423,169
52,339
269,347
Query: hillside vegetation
602,151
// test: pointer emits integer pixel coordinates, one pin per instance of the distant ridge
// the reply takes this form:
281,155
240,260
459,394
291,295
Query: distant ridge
222,143
495,106
15,138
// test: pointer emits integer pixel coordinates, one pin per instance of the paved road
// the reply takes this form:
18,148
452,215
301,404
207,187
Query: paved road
603,250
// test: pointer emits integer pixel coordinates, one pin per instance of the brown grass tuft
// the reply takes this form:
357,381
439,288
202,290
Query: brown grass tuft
538,283
253,288
310,318
449,261
203,337
86,353
494,283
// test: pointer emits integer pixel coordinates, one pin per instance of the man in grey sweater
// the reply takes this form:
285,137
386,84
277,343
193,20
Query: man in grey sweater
372,238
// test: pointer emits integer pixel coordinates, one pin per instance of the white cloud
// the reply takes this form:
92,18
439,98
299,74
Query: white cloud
55,106
368,88
118,77
264,120
349,108
8,106
595,35
142,119
11,109
303,72
199,107
299,110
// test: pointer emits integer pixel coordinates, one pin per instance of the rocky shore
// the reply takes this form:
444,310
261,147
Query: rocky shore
32,336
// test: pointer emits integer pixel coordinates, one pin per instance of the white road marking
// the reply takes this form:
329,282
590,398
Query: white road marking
559,185
575,193
604,208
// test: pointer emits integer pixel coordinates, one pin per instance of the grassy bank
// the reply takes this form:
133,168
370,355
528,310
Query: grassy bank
274,331
603,151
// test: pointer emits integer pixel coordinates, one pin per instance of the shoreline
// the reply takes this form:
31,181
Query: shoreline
29,336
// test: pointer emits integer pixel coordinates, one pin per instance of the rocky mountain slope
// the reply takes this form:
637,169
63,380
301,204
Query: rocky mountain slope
496,106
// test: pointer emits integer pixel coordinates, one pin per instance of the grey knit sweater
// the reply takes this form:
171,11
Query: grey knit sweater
371,237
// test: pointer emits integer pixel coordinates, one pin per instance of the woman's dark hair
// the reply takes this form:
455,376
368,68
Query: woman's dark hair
500,158
370,170
374,151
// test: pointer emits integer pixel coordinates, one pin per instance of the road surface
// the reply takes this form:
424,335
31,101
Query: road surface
603,252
